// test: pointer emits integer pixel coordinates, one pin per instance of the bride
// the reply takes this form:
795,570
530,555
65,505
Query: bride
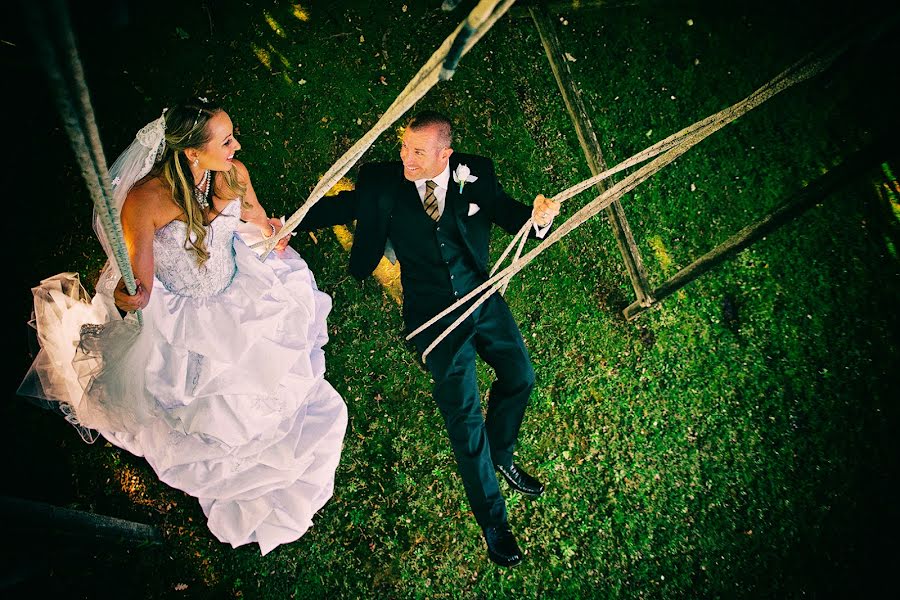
222,387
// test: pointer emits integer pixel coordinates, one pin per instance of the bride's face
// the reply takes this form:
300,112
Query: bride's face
218,153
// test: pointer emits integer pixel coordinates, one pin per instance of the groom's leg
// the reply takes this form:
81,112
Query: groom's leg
452,365
500,344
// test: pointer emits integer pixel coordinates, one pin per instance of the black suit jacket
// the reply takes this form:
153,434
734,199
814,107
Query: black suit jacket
380,184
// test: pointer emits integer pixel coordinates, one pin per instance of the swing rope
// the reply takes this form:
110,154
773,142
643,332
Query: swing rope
667,150
74,104
439,67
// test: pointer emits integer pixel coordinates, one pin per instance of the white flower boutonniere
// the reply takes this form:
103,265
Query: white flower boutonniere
463,175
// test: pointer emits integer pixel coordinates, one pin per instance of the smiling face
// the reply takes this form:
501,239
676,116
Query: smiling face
424,152
218,153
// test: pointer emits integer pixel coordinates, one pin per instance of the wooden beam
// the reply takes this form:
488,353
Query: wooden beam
795,205
38,517
587,138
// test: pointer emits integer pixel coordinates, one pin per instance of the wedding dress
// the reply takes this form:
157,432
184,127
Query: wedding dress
222,390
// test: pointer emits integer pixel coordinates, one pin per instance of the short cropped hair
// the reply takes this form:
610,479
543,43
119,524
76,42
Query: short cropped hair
428,118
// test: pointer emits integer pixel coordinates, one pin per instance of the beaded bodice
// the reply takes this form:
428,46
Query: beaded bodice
177,268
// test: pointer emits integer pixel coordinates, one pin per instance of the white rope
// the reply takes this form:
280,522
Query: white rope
480,20
83,133
670,148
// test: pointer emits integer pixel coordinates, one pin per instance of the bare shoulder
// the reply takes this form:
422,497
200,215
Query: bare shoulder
242,172
150,202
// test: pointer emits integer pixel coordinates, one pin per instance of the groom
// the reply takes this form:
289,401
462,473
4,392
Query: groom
440,229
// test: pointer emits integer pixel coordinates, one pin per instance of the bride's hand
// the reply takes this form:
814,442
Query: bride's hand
283,242
130,303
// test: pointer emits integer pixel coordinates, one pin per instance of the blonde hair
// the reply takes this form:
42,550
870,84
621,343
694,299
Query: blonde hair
187,127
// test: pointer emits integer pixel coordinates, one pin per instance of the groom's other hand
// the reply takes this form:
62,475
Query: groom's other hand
544,210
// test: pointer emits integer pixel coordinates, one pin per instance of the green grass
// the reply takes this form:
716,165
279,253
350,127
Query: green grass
695,452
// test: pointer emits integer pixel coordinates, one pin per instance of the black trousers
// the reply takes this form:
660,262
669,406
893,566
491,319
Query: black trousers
480,442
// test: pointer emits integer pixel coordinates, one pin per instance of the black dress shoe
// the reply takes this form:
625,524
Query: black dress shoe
502,546
521,481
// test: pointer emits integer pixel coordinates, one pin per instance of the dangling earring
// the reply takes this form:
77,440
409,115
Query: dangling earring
196,161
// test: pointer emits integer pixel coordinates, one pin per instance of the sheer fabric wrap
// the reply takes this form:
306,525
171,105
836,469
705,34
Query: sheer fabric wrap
69,325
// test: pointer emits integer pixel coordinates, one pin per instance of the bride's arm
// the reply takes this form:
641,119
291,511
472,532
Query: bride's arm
138,227
253,212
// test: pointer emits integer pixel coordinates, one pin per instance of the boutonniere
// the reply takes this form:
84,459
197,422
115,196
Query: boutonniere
463,175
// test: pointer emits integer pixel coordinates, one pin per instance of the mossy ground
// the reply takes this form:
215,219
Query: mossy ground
738,441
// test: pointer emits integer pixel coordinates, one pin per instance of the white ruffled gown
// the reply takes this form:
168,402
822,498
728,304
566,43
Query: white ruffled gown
222,390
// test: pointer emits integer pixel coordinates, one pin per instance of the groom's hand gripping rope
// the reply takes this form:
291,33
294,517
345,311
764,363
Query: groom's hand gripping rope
544,210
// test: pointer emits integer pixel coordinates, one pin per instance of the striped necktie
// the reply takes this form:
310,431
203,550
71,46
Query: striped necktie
431,203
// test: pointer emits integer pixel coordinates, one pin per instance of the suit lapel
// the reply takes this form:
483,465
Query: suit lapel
455,200
459,205
409,192
405,191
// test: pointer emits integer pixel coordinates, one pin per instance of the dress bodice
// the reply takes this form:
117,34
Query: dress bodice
177,268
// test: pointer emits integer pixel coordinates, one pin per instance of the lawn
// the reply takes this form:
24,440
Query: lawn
737,441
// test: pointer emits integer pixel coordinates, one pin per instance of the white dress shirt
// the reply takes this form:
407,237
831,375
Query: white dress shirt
440,192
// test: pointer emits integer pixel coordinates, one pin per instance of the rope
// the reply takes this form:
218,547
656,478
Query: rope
479,21
74,104
669,148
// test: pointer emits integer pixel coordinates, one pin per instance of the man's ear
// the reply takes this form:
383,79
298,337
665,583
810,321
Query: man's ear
445,153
